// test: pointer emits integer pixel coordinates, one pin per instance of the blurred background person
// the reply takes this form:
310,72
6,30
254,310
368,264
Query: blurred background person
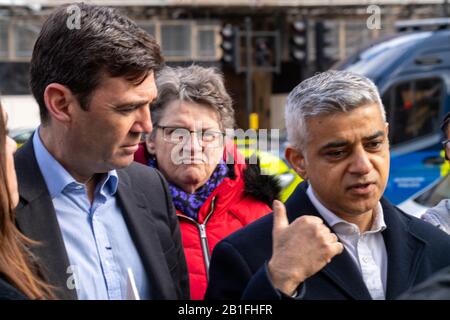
436,287
439,215
187,144
18,279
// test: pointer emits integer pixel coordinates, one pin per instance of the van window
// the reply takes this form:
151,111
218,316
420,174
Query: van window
435,194
413,109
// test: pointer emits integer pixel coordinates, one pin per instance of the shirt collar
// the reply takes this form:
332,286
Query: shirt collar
110,183
332,219
56,176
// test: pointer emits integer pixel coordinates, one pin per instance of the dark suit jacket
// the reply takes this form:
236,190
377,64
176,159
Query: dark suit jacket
149,214
415,250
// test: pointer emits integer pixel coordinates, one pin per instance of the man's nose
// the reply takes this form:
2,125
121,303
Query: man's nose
143,121
361,162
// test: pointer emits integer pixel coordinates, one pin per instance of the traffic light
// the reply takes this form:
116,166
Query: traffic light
263,52
228,45
322,44
299,41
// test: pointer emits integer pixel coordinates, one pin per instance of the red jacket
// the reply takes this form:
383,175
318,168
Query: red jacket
239,200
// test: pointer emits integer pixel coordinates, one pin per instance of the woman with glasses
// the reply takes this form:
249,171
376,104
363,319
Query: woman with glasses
440,214
214,191
18,279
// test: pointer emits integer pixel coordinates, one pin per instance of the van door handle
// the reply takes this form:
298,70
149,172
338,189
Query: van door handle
434,161
430,60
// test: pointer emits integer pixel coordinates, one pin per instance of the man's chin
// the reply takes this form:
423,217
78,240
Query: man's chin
122,162
362,208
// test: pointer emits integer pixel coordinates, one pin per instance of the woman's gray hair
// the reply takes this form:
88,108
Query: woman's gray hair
193,84
326,93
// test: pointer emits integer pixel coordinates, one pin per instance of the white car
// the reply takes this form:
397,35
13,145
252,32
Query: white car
428,197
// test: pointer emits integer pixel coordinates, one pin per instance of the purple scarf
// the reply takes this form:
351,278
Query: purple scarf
190,203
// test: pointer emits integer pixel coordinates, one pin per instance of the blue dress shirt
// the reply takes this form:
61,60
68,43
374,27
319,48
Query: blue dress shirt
96,237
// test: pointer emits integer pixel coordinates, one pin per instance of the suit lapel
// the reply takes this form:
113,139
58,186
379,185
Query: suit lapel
36,218
404,251
342,270
143,231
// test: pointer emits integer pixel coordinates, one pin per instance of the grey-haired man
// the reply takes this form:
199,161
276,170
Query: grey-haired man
337,238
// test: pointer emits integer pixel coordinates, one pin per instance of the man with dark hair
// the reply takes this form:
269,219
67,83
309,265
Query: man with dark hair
102,222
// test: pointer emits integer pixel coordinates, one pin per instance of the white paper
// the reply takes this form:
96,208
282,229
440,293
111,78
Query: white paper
132,292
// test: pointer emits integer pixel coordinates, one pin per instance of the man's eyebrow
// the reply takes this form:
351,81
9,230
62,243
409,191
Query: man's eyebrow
135,104
375,135
335,144
343,143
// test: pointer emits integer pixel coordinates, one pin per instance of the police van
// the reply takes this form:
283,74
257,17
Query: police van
412,72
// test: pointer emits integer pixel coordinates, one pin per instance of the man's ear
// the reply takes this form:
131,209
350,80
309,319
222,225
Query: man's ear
150,144
297,160
59,101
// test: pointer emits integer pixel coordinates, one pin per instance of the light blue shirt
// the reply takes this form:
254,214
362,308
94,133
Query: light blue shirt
96,237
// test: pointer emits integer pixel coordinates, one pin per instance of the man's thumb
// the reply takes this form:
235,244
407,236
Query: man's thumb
280,220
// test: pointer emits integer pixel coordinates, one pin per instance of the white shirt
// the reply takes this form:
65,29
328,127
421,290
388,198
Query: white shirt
367,250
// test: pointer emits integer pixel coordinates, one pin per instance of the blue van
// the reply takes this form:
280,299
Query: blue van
412,72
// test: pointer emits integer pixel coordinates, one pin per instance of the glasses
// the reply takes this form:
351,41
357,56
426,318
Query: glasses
177,135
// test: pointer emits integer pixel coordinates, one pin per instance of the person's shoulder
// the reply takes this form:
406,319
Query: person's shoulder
140,172
437,287
439,215
8,292
421,229
257,233
425,230
144,179
443,207
25,153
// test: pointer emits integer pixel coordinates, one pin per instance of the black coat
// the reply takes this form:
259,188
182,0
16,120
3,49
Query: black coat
8,292
148,212
415,250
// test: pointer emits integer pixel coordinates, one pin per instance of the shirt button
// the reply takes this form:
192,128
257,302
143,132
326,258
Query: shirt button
365,259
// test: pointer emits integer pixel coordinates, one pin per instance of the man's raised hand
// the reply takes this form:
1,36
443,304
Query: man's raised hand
300,249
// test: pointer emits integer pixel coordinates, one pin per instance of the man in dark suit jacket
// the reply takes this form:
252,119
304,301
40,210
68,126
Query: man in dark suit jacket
338,238
95,214
148,213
